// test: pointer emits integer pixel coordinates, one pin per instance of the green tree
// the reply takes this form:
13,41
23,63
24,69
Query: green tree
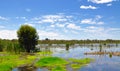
27,37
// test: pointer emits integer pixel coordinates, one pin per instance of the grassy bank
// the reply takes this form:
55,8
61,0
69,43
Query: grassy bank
9,61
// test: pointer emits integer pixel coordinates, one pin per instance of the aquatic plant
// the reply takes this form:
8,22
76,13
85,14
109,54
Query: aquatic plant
78,63
51,62
58,68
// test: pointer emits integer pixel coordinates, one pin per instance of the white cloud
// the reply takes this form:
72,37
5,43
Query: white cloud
88,21
60,25
93,20
52,16
88,7
62,19
29,24
23,18
101,1
109,4
100,23
8,34
73,26
3,18
98,17
50,19
49,34
47,21
52,25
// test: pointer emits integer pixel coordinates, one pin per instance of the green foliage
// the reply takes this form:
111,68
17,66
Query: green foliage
78,63
76,66
1,46
51,62
81,61
28,37
58,68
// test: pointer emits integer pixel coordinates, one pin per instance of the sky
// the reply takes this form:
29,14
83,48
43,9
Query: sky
62,19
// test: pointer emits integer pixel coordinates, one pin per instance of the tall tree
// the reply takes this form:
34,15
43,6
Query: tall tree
28,37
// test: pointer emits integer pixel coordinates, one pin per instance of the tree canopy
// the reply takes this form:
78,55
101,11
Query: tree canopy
28,37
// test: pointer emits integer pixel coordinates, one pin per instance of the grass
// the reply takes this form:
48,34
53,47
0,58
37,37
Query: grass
78,63
51,62
81,61
58,68
9,61
76,66
44,53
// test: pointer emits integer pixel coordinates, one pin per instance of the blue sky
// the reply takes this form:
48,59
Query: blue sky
62,19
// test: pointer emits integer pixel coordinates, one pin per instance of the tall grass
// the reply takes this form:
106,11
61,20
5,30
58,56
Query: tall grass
10,46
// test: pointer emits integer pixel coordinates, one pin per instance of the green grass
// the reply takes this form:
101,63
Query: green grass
81,61
51,62
9,61
76,66
58,68
44,53
78,63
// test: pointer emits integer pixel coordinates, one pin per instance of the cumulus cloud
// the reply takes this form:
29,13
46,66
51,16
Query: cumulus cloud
93,20
22,18
109,4
49,34
3,18
73,26
88,21
101,1
8,34
88,7
60,25
52,25
50,18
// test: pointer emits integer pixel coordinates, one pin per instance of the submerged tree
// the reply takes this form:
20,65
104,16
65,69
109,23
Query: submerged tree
27,37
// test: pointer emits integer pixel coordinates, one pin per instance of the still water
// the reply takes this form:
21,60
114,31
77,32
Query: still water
101,63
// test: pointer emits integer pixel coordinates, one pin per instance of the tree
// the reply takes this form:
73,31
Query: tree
27,37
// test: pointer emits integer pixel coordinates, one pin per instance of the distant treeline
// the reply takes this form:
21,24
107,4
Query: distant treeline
47,41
